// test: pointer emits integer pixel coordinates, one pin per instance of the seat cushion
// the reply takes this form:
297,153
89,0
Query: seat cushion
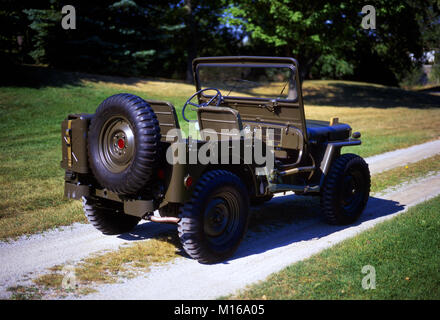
321,131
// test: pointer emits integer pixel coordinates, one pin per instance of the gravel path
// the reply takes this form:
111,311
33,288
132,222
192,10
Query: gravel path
401,157
28,256
262,254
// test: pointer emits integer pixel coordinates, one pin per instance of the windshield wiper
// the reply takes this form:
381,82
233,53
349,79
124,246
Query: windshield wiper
281,93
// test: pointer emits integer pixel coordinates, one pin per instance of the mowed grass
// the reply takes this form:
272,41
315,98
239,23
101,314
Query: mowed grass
31,180
405,173
403,252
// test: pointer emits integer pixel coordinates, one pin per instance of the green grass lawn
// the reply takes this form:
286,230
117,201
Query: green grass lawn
404,252
31,181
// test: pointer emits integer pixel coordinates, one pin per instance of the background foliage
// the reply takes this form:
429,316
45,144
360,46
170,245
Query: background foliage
160,38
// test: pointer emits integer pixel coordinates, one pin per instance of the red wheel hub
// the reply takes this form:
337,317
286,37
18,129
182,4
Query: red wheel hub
121,143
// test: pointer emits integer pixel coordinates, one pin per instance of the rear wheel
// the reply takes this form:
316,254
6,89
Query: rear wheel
215,220
108,216
346,189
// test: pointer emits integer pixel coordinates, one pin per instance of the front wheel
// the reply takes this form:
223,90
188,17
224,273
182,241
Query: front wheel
346,189
214,221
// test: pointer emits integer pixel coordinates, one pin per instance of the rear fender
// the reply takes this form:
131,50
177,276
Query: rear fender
177,192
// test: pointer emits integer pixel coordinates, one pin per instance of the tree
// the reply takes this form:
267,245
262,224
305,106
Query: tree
311,31
161,38
201,33
128,37
328,40
119,37
14,40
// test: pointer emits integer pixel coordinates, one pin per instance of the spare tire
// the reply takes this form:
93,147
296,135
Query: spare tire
123,143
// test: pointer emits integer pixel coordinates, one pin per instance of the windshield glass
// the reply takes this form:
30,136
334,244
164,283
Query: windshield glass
238,81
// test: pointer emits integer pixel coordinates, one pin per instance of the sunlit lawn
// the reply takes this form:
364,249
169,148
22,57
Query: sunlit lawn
31,181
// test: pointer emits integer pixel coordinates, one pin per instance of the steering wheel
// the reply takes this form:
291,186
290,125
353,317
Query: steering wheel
217,96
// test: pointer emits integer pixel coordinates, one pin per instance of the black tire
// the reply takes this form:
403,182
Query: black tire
256,201
213,223
108,216
128,166
346,189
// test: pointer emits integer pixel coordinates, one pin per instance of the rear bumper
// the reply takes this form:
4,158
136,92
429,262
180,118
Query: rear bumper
76,191
138,208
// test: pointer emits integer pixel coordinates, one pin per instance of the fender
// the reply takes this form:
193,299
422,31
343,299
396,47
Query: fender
329,155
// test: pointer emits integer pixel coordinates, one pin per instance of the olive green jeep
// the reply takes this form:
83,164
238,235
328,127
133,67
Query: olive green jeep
247,140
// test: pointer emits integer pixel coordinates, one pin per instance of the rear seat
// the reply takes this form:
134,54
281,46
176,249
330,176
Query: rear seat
166,116
322,131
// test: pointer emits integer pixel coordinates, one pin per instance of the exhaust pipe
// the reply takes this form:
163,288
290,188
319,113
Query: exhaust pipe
169,220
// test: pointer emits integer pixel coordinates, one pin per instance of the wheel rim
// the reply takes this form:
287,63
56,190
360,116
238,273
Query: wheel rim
352,191
116,147
221,218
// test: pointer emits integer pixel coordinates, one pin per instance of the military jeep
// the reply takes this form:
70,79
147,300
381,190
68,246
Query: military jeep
250,140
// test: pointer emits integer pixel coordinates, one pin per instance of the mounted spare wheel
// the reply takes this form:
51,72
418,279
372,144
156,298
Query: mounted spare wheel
123,143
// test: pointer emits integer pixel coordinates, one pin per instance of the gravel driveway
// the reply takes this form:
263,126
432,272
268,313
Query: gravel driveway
258,256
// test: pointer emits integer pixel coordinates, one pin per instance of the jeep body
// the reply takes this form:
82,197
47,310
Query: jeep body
241,101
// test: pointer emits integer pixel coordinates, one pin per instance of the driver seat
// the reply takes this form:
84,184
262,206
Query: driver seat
225,122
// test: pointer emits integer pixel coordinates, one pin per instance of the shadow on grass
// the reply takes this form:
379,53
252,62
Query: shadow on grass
352,95
31,76
433,90
328,93
34,76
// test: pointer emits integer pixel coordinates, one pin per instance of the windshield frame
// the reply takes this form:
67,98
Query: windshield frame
250,61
